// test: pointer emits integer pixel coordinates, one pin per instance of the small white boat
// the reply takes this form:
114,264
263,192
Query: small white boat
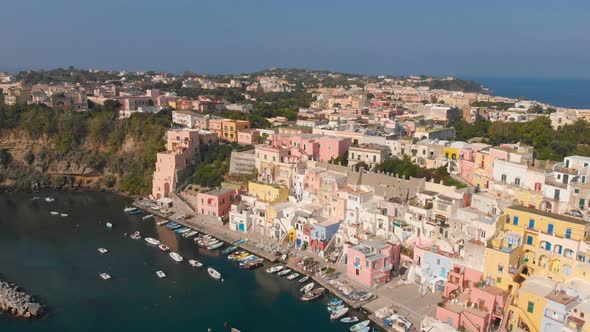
35,198
54,213
147,217
360,326
304,279
152,241
339,313
64,214
284,272
195,263
348,320
135,236
161,274
49,199
314,294
176,257
109,225
213,273
215,246
366,297
129,209
307,288
274,269
102,250
163,222
293,276
105,276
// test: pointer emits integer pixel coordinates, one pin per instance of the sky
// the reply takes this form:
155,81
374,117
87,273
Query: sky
524,38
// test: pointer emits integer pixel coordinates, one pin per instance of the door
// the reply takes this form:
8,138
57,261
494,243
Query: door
532,224
550,228
529,240
241,227
443,272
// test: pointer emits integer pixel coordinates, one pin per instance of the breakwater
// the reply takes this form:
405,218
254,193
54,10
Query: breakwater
17,302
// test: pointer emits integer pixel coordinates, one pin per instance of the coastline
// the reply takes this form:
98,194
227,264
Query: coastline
14,300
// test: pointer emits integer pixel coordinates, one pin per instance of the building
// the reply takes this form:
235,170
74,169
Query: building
217,202
267,192
370,154
371,262
322,234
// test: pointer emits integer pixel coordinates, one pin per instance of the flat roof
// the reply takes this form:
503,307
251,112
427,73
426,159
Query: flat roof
549,214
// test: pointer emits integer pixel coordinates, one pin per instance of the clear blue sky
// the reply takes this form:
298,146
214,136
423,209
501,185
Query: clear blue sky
524,38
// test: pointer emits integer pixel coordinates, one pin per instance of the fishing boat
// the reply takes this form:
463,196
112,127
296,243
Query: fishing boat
175,226
275,268
229,250
215,246
304,279
102,250
213,273
49,199
195,263
161,274
339,313
136,211
171,224
284,272
235,255
136,235
64,214
349,320
162,222
334,301
249,260
105,276
146,217
238,242
366,297
253,264
163,248
152,241
184,230
307,288
54,213
190,234
360,326
176,257
314,294
109,225
293,276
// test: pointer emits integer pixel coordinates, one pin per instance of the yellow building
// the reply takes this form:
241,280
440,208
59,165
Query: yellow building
527,309
230,129
451,153
268,192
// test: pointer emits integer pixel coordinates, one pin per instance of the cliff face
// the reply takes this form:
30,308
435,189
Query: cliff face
35,164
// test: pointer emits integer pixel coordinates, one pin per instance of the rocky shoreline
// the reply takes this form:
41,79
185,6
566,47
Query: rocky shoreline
15,301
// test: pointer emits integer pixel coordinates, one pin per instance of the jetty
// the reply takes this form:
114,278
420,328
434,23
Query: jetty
17,302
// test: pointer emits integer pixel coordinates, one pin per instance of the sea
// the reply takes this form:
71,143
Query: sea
55,259
574,93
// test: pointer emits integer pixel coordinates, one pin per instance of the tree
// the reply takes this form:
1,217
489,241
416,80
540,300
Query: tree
361,165
5,157
341,159
29,157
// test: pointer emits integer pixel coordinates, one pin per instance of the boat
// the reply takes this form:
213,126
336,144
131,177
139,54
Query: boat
102,250
360,326
54,213
229,250
307,288
366,329
136,235
184,230
136,211
147,217
176,257
215,246
109,225
213,273
293,276
105,276
349,320
35,198
238,242
335,308
284,272
152,241
366,297
253,264
235,255
334,301
171,224
162,222
129,209
64,214
49,199
190,234
274,269
175,226
163,248
195,263
161,274
304,279
339,313
314,294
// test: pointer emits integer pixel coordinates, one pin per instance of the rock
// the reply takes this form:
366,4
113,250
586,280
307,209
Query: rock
27,315
34,308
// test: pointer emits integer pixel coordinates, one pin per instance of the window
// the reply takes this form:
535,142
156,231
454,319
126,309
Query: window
500,268
529,240
568,233
577,191
550,228
499,280
517,181
515,221
530,307
582,202
532,224
503,178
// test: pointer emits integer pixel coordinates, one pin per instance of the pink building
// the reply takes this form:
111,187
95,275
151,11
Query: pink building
312,146
371,262
470,304
182,152
217,202
248,136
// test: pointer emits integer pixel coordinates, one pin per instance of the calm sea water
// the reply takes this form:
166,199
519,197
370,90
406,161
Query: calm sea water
559,92
56,259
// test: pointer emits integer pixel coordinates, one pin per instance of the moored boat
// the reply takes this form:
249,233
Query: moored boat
360,326
136,235
284,272
213,273
339,313
163,248
176,257
229,250
129,209
64,214
304,279
152,241
49,199
54,213
161,274
314,294
190,234
366,297
307,288
215,246
238,242
147,216
349,320
293,276
275,268
105,276
109,225
162,222
334,301
102,250
195,263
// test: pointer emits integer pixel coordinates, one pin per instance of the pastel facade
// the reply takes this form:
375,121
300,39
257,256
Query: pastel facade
217,202
371,262
267,192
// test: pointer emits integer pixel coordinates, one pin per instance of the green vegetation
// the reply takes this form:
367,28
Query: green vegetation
341,159
452,85
94,139
497,105
214,164
406,168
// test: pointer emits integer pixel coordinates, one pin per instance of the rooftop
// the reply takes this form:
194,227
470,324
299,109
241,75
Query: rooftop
219,191
549,214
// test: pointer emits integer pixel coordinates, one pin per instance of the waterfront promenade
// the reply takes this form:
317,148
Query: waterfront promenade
404,299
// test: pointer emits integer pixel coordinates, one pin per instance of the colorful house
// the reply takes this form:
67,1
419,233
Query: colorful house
322,233
217,202
371,262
